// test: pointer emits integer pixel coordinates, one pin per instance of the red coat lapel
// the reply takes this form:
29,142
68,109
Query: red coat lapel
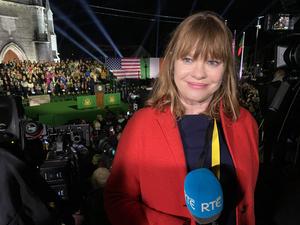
170,130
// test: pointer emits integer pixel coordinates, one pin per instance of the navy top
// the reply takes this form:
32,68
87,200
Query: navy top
196,135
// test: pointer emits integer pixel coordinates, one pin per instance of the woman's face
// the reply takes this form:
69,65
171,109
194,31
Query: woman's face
197,80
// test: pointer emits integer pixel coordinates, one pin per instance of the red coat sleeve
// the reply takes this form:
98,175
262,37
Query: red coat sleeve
122,197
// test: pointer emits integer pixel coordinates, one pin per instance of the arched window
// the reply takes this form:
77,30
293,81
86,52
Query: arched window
12,51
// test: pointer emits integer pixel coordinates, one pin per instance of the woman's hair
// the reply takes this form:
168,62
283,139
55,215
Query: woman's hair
208,35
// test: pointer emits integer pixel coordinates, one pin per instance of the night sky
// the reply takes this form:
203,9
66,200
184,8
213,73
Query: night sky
132,23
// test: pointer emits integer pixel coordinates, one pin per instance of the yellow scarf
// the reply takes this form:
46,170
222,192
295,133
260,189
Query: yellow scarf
215,151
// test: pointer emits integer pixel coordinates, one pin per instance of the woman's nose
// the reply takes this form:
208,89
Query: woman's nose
199,71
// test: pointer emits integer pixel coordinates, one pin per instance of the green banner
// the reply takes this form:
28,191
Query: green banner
86,102
112,99
145,68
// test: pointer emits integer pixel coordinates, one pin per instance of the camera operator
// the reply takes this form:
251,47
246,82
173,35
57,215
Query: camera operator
22,201
26,198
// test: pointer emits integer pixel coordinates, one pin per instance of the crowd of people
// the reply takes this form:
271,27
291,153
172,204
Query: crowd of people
27,78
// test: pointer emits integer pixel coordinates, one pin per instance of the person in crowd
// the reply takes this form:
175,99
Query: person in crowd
1,85
94,209
30,87
24,85
195,96
22,202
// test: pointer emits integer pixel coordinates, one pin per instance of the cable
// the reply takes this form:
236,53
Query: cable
137,13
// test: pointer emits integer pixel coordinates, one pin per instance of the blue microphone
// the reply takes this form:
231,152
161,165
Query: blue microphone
203,195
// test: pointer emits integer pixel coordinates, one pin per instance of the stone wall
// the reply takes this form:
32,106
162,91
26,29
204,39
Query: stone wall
25,28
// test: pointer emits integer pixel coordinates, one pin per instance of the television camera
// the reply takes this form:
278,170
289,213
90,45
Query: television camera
63,154
279,85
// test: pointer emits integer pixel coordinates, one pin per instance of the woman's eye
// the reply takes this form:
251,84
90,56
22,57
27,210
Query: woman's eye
214,62
187,59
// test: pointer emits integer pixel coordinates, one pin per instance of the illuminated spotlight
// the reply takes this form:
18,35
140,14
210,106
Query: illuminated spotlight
151,27
76,43
78,31
100,26
146,36
227,7
193,6
157,27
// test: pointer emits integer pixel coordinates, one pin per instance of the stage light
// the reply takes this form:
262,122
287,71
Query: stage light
193,7
157,27
100,26
78,31
147,34
62,32
227,7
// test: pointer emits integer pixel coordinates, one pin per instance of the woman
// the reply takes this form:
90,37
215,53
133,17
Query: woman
172,136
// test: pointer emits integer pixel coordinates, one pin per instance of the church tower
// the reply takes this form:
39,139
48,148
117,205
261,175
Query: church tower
27,31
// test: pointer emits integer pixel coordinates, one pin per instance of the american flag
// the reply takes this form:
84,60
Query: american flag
124,67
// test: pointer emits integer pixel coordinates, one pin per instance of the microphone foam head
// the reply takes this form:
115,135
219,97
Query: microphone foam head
203,195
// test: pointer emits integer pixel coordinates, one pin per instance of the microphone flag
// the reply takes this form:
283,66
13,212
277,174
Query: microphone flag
203,195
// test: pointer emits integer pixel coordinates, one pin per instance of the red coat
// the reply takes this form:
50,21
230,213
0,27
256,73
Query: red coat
146,185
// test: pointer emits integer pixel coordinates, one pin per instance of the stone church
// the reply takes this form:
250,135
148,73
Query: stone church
27,31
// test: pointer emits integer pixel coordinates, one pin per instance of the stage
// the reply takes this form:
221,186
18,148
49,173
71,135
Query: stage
60,113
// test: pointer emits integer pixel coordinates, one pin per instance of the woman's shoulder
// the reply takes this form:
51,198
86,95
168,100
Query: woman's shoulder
141,120
246,117
149,112
245,114
147,115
